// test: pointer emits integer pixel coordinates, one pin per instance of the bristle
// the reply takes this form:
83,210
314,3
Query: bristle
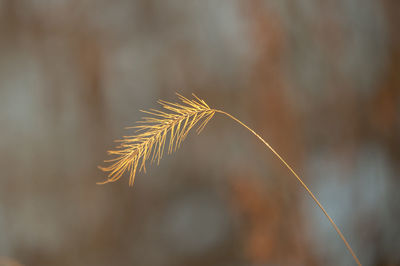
175,122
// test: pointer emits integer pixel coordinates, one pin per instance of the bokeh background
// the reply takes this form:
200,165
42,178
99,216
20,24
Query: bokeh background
320,80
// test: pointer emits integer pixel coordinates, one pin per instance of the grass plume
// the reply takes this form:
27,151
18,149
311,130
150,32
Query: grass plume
175,121
133,152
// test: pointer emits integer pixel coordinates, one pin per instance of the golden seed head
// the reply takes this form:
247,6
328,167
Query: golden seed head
174,123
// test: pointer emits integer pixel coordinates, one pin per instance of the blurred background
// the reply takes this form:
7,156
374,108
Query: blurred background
320,80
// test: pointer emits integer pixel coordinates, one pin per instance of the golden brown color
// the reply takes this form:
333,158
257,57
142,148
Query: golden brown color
153,131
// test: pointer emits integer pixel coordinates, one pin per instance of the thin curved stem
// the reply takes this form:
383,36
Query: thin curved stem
300,180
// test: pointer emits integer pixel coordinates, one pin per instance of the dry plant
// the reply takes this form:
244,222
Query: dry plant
152,134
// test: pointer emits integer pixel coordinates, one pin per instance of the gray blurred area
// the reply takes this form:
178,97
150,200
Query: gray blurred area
320,80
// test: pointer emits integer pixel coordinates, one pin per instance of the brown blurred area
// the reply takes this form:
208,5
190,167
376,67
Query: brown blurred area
320,80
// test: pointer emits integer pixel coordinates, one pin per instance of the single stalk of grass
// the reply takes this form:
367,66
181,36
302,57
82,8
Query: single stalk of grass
152,132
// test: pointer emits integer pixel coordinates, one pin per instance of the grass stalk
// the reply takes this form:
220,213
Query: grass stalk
176,121
300,180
